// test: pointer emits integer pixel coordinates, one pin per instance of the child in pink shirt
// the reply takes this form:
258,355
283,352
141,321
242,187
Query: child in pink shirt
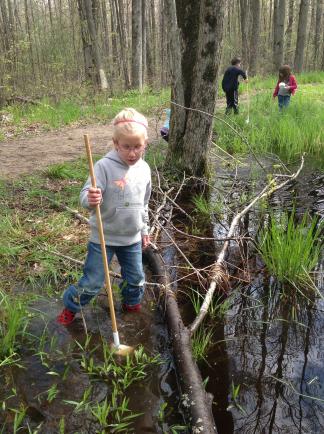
286,86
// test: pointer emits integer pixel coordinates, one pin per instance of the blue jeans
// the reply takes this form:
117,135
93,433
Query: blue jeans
130,260
283,101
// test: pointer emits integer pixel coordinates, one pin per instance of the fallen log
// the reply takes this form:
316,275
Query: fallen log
196,402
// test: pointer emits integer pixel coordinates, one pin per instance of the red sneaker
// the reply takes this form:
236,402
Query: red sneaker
65,317
131,307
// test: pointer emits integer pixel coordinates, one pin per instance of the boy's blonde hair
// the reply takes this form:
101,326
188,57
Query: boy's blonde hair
129,121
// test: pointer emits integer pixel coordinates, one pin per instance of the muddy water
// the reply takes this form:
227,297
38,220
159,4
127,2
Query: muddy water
54,361
272,347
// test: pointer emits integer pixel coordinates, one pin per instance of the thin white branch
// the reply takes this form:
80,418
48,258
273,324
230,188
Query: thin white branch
219,267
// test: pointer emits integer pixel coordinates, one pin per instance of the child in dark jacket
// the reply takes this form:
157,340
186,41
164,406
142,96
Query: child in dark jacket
286,86
230,84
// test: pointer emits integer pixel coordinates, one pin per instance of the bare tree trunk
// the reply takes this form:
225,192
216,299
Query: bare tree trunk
144,39
244,5
318,25
195,68
289,30
301,35
28,28
123,40
114,25
150,43
104,15
255,36
310,37
137,50
279,32
92,56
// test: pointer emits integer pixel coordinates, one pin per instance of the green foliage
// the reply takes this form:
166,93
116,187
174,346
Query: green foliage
205,208
200,343
76,170
234,395
113,412
85,108
31,228
291,251
13,323
296,130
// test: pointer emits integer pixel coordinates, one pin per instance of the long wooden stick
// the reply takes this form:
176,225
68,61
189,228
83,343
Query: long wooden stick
103,247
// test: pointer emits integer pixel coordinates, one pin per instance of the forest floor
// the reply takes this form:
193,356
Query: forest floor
23,155
34,150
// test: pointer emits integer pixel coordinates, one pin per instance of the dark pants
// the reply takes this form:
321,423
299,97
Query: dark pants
232,101
165,133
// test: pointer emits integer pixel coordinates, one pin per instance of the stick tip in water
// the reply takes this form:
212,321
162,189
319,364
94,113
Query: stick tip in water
122,350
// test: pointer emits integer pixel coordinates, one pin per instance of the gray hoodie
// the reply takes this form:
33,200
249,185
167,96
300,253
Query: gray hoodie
125,191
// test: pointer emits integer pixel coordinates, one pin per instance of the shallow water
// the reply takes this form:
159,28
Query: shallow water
54,361
272,347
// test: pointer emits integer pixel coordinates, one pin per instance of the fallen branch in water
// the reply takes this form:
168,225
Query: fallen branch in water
219,273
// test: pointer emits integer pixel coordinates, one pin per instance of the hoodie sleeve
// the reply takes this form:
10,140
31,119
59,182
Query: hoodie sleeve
275,93
292,84
101,181
145,230
243,74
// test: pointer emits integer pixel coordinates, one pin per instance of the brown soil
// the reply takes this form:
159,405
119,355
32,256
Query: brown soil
20,156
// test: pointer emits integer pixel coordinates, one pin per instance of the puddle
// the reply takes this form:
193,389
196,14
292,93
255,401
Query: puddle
273,353
50,374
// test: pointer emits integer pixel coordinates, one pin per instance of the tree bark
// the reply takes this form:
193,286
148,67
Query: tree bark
195,64
289,30
318,25
119,7
301,35
92,56
255,36
279,32
144,40
244,8
198,403
137,48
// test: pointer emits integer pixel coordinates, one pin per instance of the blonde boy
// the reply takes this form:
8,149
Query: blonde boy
123,192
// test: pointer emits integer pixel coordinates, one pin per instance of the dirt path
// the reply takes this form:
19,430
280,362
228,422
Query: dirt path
20,156
23,155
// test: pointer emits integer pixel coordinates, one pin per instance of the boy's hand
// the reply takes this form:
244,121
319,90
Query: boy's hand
145,241
94,196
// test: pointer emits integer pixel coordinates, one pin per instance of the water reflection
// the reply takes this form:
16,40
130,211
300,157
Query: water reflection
271,344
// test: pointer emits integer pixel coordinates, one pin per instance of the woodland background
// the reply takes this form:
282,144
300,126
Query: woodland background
56,47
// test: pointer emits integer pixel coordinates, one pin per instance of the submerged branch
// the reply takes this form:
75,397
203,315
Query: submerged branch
219,275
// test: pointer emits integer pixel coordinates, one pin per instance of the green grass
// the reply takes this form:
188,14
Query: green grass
99,108
291,251
296,130
31,228
13,323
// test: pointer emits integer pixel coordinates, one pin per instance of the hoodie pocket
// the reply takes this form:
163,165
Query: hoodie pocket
125,221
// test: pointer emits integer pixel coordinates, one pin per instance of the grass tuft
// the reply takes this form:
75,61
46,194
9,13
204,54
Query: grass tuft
291,251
